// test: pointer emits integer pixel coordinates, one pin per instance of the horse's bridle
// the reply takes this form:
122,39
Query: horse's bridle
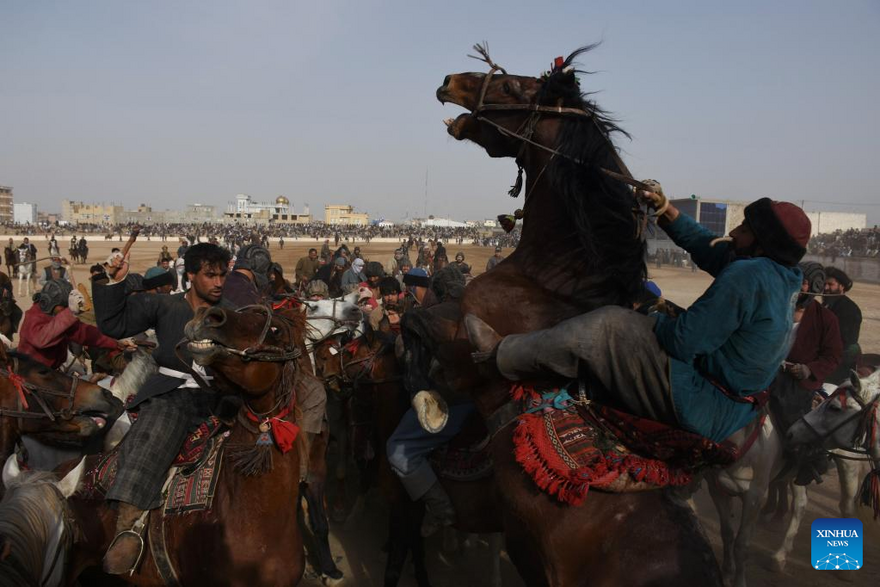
262,352
26,388
366,368
866,411
537,109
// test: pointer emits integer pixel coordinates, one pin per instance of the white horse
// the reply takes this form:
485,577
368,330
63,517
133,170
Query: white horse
749,478
35,531
25,270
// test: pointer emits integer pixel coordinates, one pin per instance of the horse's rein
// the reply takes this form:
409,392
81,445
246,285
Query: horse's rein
26,388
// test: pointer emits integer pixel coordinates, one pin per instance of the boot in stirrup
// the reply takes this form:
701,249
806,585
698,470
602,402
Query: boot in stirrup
127,547
439,510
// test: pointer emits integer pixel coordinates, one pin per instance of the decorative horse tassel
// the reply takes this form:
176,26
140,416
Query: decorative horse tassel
870,492
255,460
508,221
516,188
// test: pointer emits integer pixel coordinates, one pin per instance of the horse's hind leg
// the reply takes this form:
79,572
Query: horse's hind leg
724,505
313,491
799,505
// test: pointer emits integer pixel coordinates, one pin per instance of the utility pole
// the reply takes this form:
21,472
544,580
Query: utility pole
426,193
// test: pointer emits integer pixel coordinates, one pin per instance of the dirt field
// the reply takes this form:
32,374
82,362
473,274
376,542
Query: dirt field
358,542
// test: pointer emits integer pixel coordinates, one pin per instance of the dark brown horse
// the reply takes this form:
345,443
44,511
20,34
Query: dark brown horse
251,535
367,371
10,313
54,408
580,249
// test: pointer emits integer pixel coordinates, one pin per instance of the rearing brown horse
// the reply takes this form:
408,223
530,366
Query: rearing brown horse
580,249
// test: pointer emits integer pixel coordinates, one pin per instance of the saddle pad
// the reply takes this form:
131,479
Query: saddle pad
193,485
463,463
566,455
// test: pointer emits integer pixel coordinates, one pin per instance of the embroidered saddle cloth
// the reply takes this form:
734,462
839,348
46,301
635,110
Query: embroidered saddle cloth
466,457
567,447
197,470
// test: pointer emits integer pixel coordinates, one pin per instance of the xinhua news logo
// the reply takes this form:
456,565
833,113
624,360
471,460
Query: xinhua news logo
836,544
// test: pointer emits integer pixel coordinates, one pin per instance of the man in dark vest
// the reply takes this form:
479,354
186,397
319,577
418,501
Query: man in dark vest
170,403
849,316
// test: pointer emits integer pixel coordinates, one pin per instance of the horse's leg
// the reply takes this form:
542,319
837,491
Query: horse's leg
848,472
783,506
799,494
496,541
724,504
339,431
313,491
398,545
751,509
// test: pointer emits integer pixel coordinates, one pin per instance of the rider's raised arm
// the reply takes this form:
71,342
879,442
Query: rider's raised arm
121,316
696,240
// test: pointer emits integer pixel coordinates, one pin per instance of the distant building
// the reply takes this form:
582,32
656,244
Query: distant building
246,210
722,216
24,213
6,212
344,215
442,223
82,213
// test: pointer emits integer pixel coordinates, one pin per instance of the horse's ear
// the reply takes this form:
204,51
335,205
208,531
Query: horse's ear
11,471
71,481
856,382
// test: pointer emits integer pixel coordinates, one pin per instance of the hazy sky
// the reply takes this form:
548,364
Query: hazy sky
169,103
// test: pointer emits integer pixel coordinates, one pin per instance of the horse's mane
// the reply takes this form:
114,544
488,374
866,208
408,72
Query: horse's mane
28,513
600,208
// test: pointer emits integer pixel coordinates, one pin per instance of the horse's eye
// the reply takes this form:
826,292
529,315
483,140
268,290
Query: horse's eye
506,88
274,330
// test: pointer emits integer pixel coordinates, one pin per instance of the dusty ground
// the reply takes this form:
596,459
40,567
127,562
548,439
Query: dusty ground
358,542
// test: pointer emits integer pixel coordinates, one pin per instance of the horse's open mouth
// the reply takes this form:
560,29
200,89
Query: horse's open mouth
99,418
204,350
456,127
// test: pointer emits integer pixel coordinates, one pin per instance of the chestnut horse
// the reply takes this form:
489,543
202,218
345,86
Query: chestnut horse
580,249
368,369
49,406
250,536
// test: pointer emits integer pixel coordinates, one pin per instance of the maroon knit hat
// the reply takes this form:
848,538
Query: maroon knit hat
781,228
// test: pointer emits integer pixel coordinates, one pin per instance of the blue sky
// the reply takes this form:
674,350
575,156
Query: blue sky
169,103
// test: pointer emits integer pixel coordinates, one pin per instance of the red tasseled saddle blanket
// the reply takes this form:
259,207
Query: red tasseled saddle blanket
568,449
198,469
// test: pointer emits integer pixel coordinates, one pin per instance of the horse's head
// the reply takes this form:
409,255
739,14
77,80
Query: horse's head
326,317
503,105
848,417
248,349
61,410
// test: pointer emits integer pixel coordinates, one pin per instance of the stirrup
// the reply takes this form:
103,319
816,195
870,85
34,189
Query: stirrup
138,531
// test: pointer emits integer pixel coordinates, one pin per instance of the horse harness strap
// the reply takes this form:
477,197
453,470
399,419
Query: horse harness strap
25,388
159,550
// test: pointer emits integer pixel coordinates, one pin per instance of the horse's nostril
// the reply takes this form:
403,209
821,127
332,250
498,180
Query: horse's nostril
214,317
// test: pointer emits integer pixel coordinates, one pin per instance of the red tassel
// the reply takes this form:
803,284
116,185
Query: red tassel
558,62
284,433
18,381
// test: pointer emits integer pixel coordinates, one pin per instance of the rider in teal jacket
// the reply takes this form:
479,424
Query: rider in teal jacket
731,336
